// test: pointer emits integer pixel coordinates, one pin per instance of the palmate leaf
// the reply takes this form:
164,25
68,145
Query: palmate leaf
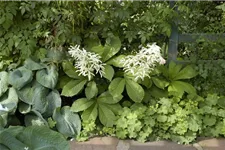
106,116
81,104
186,73
134,91
91,90
108,72
3,82
116,87
160,83
70,70
116,61
20,77
91,113
68,122
107,98
48,77
73,87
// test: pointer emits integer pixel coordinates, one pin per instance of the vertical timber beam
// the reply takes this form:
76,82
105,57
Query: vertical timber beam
173,40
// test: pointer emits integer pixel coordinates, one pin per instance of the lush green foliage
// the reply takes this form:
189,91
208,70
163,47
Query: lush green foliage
45,83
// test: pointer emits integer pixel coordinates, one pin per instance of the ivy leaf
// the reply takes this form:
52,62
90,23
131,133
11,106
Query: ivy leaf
106,116
20,77
48,77
3,82
81,104
134,91
91,90
116,87
91,113
108,72
68,123
73,87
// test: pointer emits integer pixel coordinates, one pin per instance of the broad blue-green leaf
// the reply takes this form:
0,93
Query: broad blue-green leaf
32,65
186,73
20,77
106,116
116,87
134,91
107,98
70,70
160,83
54,100
42,138
48,77
24,108
116,61
81,104
108,72
91,90
9,100
91,113
34,120
3,120
73,87
68,123
26,94
3,82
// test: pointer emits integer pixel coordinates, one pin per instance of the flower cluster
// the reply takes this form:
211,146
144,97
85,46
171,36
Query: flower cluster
144,62
86,62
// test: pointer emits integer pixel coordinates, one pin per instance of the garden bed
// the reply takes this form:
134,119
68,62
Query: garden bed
111,143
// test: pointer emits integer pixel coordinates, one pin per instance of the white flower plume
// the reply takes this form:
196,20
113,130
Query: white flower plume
87,63
144,62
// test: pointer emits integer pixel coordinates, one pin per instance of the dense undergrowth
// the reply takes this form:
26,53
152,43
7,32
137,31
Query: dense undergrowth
84,69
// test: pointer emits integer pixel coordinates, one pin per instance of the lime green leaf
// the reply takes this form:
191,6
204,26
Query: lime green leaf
160,83
91,90
70,70
106,116
81,104
134,91
48,77
3,82
68,123
108,72
174,69
20,77
73,87
209,120
116,87
114,107
221,102
161,118
186,73
91,113
116,61
107,98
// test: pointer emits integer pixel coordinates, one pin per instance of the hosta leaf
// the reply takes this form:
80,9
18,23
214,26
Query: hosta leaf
3,82
32,65
9,100
134,91
160,83
32,120
48,77
42,138
26,94
73,87
68,123
24,108
81,104
91,113
108,72
70,70
107,98
20,77
91,90
186,73
54,100
116,87
106,116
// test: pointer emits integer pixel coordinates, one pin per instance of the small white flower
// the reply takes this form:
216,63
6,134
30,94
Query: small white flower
86,62
3,108
26,148
144,62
